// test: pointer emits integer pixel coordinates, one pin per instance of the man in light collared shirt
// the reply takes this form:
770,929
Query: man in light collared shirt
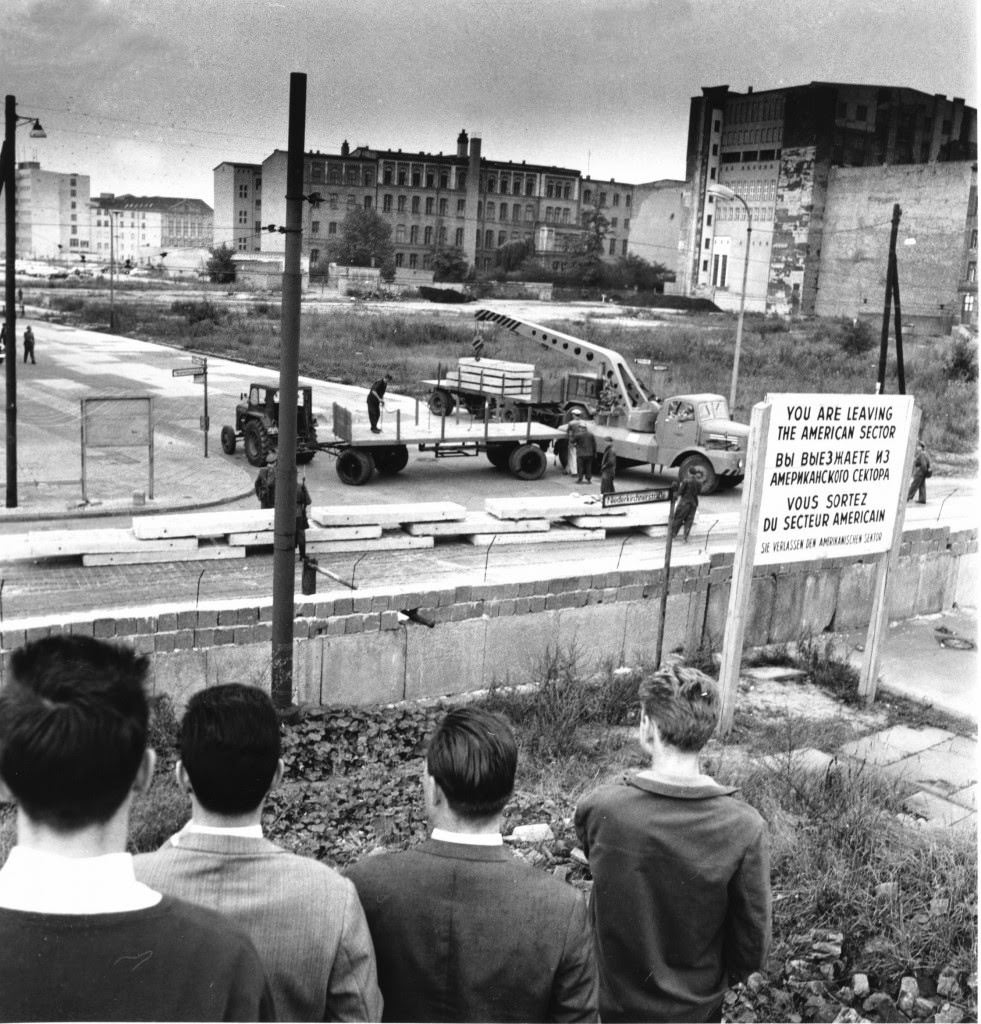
463,930
80,937
304,918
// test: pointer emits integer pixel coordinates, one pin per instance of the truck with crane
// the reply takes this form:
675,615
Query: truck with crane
683,432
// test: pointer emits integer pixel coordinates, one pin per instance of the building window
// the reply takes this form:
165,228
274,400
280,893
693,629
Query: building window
491,184
427,236
243,191
444,180
401,175
502,237
444,205
430,179
587,195
416,177
387,174
708,220
565,215
369,175
414,234
712,173
529,214
458,237
715,149
705,265
505,186
626,223
400,234
529,186
332,227
974,239
488,239
415,204
616,198
315,227
398,259
861,112
550,190
613,247
613,222
442,236
719,268
972,271
401,204
243,243
491,211
602,199
708,242
367,202
243,216
314,255
968,306
624,247
716,125
461,207
516,212
413,260
386,204
333,200
429,204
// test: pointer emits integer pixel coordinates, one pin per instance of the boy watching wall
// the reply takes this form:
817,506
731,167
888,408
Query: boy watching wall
681,893
80,937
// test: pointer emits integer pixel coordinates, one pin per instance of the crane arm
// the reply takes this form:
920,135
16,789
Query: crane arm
610,366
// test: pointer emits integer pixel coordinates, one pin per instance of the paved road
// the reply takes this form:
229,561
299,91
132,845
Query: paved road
73,364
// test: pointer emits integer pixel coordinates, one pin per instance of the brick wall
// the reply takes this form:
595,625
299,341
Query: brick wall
357,646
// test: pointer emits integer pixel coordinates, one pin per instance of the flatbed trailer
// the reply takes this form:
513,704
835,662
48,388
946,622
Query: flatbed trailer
518,448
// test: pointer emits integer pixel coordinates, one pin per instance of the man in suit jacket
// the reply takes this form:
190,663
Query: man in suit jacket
303,917
463,930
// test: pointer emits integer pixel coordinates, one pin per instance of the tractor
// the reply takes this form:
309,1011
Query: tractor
257,424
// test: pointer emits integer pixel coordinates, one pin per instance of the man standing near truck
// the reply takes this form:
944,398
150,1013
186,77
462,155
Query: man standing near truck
608,468
584,445
376,401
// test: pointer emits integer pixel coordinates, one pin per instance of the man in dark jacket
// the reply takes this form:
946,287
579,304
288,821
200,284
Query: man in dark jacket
302,507
376,401
462,929
921,470
689,488
265,484
608,468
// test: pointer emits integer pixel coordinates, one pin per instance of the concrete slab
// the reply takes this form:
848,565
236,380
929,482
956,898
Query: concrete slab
967,797
209,553
557,535
894,744
387,515
808,758
477,522
934,770
936,810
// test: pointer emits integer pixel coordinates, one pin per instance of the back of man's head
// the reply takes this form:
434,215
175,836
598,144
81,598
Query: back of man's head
230,747
73,729
684,704
473,757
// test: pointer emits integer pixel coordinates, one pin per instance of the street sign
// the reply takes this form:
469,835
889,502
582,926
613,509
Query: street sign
200,360
636,497
187,371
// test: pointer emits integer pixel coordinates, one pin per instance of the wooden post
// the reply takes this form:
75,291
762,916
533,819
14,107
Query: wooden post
740,585
663,603
890,283
884,567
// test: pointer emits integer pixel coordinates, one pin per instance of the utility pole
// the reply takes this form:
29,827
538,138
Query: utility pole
892,296
10,296
284,527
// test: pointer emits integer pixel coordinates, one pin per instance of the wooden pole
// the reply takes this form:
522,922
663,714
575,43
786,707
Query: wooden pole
663,603
742,566
886,563
284,533
897,312
890,282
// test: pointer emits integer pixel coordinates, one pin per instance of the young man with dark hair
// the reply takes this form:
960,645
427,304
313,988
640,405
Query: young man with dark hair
304,918
681,877
463,930
80,937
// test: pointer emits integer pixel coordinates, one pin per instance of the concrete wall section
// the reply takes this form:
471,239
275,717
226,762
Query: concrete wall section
358,647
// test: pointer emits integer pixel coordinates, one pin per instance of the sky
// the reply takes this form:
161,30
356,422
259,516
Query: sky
147,96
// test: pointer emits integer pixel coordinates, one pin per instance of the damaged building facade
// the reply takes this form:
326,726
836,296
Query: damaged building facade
819,167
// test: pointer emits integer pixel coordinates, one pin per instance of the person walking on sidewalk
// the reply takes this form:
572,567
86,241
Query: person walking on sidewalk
608,468
376,401
689,489
29,345
921,470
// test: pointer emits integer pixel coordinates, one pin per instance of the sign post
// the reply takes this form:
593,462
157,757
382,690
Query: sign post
826,477
199,371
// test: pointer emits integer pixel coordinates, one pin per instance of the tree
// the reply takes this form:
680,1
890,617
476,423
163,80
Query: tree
638,273
220,267
365,240
450,264
588,246
512,255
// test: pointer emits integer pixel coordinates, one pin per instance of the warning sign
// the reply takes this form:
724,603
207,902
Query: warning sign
833,475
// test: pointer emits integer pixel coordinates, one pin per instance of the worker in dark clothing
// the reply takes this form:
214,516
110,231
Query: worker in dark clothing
608,468
302,506
3,341
921,470
376,402
585,446
265,484
689,488
29,345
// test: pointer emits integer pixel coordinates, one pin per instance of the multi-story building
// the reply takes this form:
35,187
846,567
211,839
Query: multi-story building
776,150
658,211
432,201
138,228
968,285
52,212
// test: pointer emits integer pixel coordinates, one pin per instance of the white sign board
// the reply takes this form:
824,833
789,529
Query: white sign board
833,475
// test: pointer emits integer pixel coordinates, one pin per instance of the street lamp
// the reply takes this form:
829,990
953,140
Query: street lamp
724,192
8,184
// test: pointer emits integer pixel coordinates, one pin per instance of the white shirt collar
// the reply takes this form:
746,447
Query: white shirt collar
241,831
468,838
47,883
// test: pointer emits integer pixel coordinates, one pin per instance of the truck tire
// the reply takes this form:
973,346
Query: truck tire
355,466
441,403
528,462
256,442
389,461
228,440
499,454
703,470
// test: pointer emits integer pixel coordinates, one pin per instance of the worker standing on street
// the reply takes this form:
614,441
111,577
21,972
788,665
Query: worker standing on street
921,470
302,505
29,345
585,448
376,401
608,468
265,484
689,488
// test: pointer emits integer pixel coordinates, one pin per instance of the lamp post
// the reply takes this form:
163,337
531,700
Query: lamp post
724,192
112,272
8,183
